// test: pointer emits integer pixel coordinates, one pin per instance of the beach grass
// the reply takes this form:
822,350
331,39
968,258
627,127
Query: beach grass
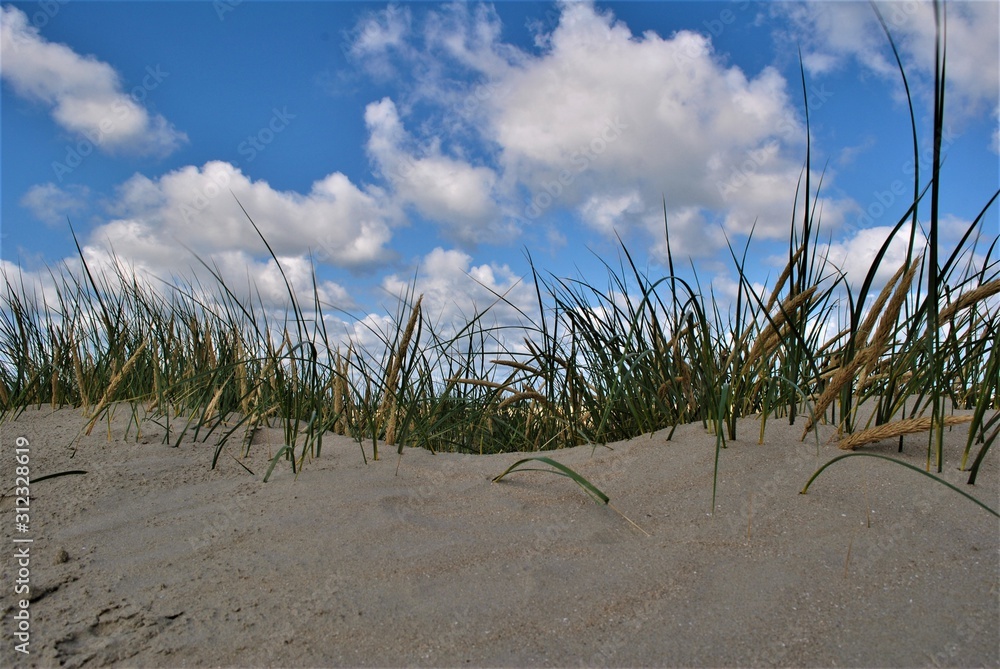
596,360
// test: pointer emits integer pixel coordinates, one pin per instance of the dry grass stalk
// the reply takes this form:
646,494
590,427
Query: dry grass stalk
773,332
537,354
155,400
348,403
390,430
113,385
868,356
78,372
338,394
887,324
242,379
209,348
896,429
517,365
842,376
480,382
211,409
968,299
685,380
869,323
395,364
785,273
55,374
523,395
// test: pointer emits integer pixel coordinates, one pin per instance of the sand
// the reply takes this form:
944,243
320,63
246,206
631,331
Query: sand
152,558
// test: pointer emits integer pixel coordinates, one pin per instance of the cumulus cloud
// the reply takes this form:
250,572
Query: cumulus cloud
455,290
160,224
338,222
601,122
450,192
604,115
377,37
52,204
855,255
996,131
85,96
838,31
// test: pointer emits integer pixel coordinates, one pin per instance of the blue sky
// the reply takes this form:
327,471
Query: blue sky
443,141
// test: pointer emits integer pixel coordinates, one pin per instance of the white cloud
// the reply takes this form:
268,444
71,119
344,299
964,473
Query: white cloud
376,36
341,224
85,95
601,121
838,31
455,290
603,112
159,225
856,255
996,131
452,193
52,204
605,212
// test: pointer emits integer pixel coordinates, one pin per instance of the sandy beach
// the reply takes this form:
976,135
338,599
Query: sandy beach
152,558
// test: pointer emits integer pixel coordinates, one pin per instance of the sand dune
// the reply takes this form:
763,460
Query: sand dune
152,558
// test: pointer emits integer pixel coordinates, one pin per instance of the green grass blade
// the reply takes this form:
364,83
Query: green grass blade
563,470
284,450
898,462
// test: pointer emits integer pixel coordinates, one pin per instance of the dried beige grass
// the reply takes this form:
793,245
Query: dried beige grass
887,324
896,429
210,348
478,382
785,273
340,427
55,374
523,395
211,409
78,373
772,334
518,365
842,376
868,356
869,323
968,299
242,380
395,364
113,385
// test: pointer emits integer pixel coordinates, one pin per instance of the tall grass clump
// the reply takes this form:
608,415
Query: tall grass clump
592,360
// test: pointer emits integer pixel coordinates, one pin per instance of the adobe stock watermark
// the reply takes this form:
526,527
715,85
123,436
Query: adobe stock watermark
45,11
897,14
726,18
462,111
223,7
256,143
120,110
580,161
756,158
251,147
693,49
21,558
473,101
901,191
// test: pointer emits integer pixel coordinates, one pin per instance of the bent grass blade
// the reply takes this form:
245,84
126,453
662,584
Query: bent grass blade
898,462
563,470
